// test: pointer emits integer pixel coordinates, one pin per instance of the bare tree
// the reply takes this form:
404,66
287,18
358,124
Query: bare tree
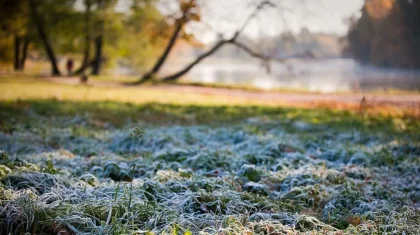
44,37
187,8
221,42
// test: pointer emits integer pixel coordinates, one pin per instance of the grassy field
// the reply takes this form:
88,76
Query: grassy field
92,160
27,87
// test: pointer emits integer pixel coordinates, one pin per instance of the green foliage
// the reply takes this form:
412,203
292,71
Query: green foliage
113,171
250,172
49,168
131,38
14,20
256,188
142,35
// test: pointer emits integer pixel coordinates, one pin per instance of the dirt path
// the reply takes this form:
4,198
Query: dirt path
294,96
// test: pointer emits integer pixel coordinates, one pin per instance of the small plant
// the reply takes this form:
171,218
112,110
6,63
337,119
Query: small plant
4,158
49,168
3,155
250,172
135,135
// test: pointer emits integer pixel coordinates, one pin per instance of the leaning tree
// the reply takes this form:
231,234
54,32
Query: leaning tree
190,12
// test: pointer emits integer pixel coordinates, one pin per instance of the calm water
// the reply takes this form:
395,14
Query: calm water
317,75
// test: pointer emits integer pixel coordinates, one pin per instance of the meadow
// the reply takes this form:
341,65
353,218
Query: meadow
89,160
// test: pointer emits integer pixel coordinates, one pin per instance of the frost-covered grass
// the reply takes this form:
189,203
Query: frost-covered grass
75,168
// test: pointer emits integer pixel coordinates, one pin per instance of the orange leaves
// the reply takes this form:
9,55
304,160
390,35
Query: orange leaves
190,9
355,221
190,39
186,5
379,9
190,12
195,17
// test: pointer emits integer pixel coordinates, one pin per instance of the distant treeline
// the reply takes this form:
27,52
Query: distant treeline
288,44
387,34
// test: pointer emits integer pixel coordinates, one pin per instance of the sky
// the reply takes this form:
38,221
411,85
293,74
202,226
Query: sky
225,16
327,15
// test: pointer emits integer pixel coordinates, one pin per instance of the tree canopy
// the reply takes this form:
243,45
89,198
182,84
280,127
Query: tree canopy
70,27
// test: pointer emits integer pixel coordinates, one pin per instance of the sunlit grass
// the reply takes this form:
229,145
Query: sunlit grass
23,89
159,105
388,91
28,87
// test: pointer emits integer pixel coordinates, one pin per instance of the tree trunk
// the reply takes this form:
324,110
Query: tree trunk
149,75
16,53
24,54
86,53
98,55
216,47
177,75
44,38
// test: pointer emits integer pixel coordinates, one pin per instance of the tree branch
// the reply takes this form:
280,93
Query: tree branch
254,14
177,75
255,54
178,28
221,42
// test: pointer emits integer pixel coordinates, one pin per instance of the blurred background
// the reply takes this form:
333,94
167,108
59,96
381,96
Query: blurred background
318,45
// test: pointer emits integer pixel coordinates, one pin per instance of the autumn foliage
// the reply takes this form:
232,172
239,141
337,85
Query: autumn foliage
387,34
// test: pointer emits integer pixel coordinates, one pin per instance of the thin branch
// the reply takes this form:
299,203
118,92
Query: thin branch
221,42
255,54
232,40
254,14
196,61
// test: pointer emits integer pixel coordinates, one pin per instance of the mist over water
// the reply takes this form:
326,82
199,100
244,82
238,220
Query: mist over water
326,75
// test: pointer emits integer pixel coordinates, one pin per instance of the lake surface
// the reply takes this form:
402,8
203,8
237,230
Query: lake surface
329,75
